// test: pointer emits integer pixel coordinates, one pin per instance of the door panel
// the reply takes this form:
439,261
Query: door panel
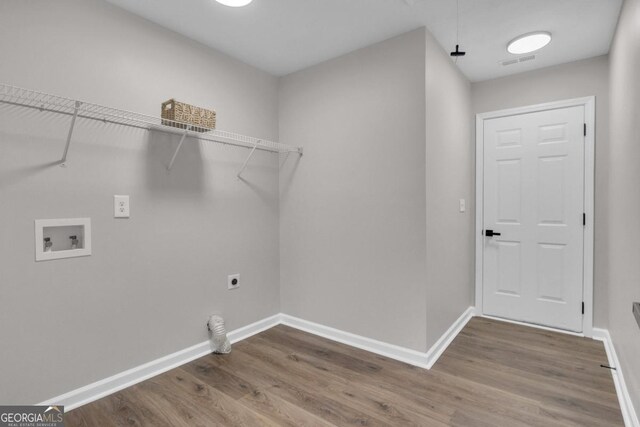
508,191
509,261
551,269
534,197
551,190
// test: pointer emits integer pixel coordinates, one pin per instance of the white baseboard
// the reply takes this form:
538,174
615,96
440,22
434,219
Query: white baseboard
412,357
122,380
254,328
533,325
443,342
626,405
102,388
403,354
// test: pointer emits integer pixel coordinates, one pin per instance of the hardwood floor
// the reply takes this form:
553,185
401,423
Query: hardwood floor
493,374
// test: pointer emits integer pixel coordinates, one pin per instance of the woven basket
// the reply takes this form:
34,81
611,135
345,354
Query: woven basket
189,117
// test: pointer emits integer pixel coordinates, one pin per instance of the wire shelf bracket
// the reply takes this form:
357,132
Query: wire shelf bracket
44,102
63,161
175,154
246,162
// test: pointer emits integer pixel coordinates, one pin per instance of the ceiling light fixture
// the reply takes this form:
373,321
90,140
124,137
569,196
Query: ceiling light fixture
234,3
529,42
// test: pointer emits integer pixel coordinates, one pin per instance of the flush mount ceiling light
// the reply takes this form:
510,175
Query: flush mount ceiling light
529,42
234,3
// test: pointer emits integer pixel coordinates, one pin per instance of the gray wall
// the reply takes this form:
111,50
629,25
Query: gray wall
153,279
449,178
352,224
624,199
371,238
573,80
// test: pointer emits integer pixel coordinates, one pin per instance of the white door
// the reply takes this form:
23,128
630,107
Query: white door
534,204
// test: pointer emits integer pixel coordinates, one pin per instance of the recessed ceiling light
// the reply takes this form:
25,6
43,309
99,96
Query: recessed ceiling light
234,3
529,42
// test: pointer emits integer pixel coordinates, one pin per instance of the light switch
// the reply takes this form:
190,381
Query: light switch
121,207
463,205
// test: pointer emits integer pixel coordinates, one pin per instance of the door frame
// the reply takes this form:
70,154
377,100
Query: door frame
589,188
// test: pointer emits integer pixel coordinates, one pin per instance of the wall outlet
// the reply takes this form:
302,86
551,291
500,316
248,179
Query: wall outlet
233,281
121,207
463,205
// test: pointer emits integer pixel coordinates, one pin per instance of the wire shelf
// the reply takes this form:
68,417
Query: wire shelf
21,97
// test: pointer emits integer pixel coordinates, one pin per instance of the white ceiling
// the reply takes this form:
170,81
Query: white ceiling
283,36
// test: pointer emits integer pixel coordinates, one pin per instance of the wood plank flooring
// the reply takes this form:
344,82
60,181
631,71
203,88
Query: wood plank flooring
493,374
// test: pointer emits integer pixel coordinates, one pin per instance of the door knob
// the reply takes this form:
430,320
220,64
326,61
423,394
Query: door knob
490,233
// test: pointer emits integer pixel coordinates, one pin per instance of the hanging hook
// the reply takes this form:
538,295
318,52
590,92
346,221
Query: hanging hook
457,53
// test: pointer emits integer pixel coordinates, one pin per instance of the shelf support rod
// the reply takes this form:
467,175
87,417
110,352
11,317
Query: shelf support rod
175,154
244,166
73,123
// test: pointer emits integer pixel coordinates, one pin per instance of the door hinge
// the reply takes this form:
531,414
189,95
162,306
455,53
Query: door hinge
582,307
585,129
584,219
